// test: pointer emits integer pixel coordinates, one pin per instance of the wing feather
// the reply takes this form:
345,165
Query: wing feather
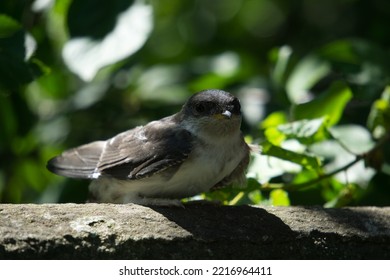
146,151
78,162
134,154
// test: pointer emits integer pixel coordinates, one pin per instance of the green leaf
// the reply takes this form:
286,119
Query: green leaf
379,118
332,189
351,140
33,174
270,124
305,160
281,58
305,75
330,104
210,80
124,32
355,139
16,49
279,198
340,51
274,119
305,131
263,168
256,197
274,136
345,196
361,62
8,26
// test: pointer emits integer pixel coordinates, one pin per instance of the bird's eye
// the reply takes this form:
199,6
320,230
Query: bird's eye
200,108
203,107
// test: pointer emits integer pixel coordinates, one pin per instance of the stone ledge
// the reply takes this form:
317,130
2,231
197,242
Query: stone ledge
198,231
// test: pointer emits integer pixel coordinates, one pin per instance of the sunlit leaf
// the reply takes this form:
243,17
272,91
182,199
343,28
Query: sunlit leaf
270,124
305,176
281,58
274,119
330,104
274,136
305,131
355,138
305,160
256,197
86,55
263,168
379,118
279,198
305,75
337,156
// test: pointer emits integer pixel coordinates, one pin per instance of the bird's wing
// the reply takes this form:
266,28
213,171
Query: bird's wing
146,151
134,154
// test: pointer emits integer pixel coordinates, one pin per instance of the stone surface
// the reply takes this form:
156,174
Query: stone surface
198,231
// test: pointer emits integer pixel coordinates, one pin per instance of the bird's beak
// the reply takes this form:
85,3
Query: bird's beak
224,115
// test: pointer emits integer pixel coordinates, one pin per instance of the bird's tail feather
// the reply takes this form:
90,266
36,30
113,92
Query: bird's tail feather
80,162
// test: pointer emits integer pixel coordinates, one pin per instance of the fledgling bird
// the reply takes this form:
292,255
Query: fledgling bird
193,151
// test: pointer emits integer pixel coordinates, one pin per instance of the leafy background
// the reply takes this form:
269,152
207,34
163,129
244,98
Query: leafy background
312,76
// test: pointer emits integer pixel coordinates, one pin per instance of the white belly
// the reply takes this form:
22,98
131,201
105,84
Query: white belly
204,170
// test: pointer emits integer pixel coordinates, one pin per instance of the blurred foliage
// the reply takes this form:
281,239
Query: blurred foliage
312,76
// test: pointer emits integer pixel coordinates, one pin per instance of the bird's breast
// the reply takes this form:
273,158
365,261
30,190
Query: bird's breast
207,165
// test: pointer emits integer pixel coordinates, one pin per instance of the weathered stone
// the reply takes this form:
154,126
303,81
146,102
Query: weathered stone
198,231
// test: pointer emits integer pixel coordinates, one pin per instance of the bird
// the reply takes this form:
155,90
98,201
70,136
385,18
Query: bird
198,149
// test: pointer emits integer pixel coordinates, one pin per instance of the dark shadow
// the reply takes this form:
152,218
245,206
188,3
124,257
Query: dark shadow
349,233
94,18
245,232
205,220
361,221
232,232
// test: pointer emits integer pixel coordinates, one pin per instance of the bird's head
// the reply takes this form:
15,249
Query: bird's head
212,111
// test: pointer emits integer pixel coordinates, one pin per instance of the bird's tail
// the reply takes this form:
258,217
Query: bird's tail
80,162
